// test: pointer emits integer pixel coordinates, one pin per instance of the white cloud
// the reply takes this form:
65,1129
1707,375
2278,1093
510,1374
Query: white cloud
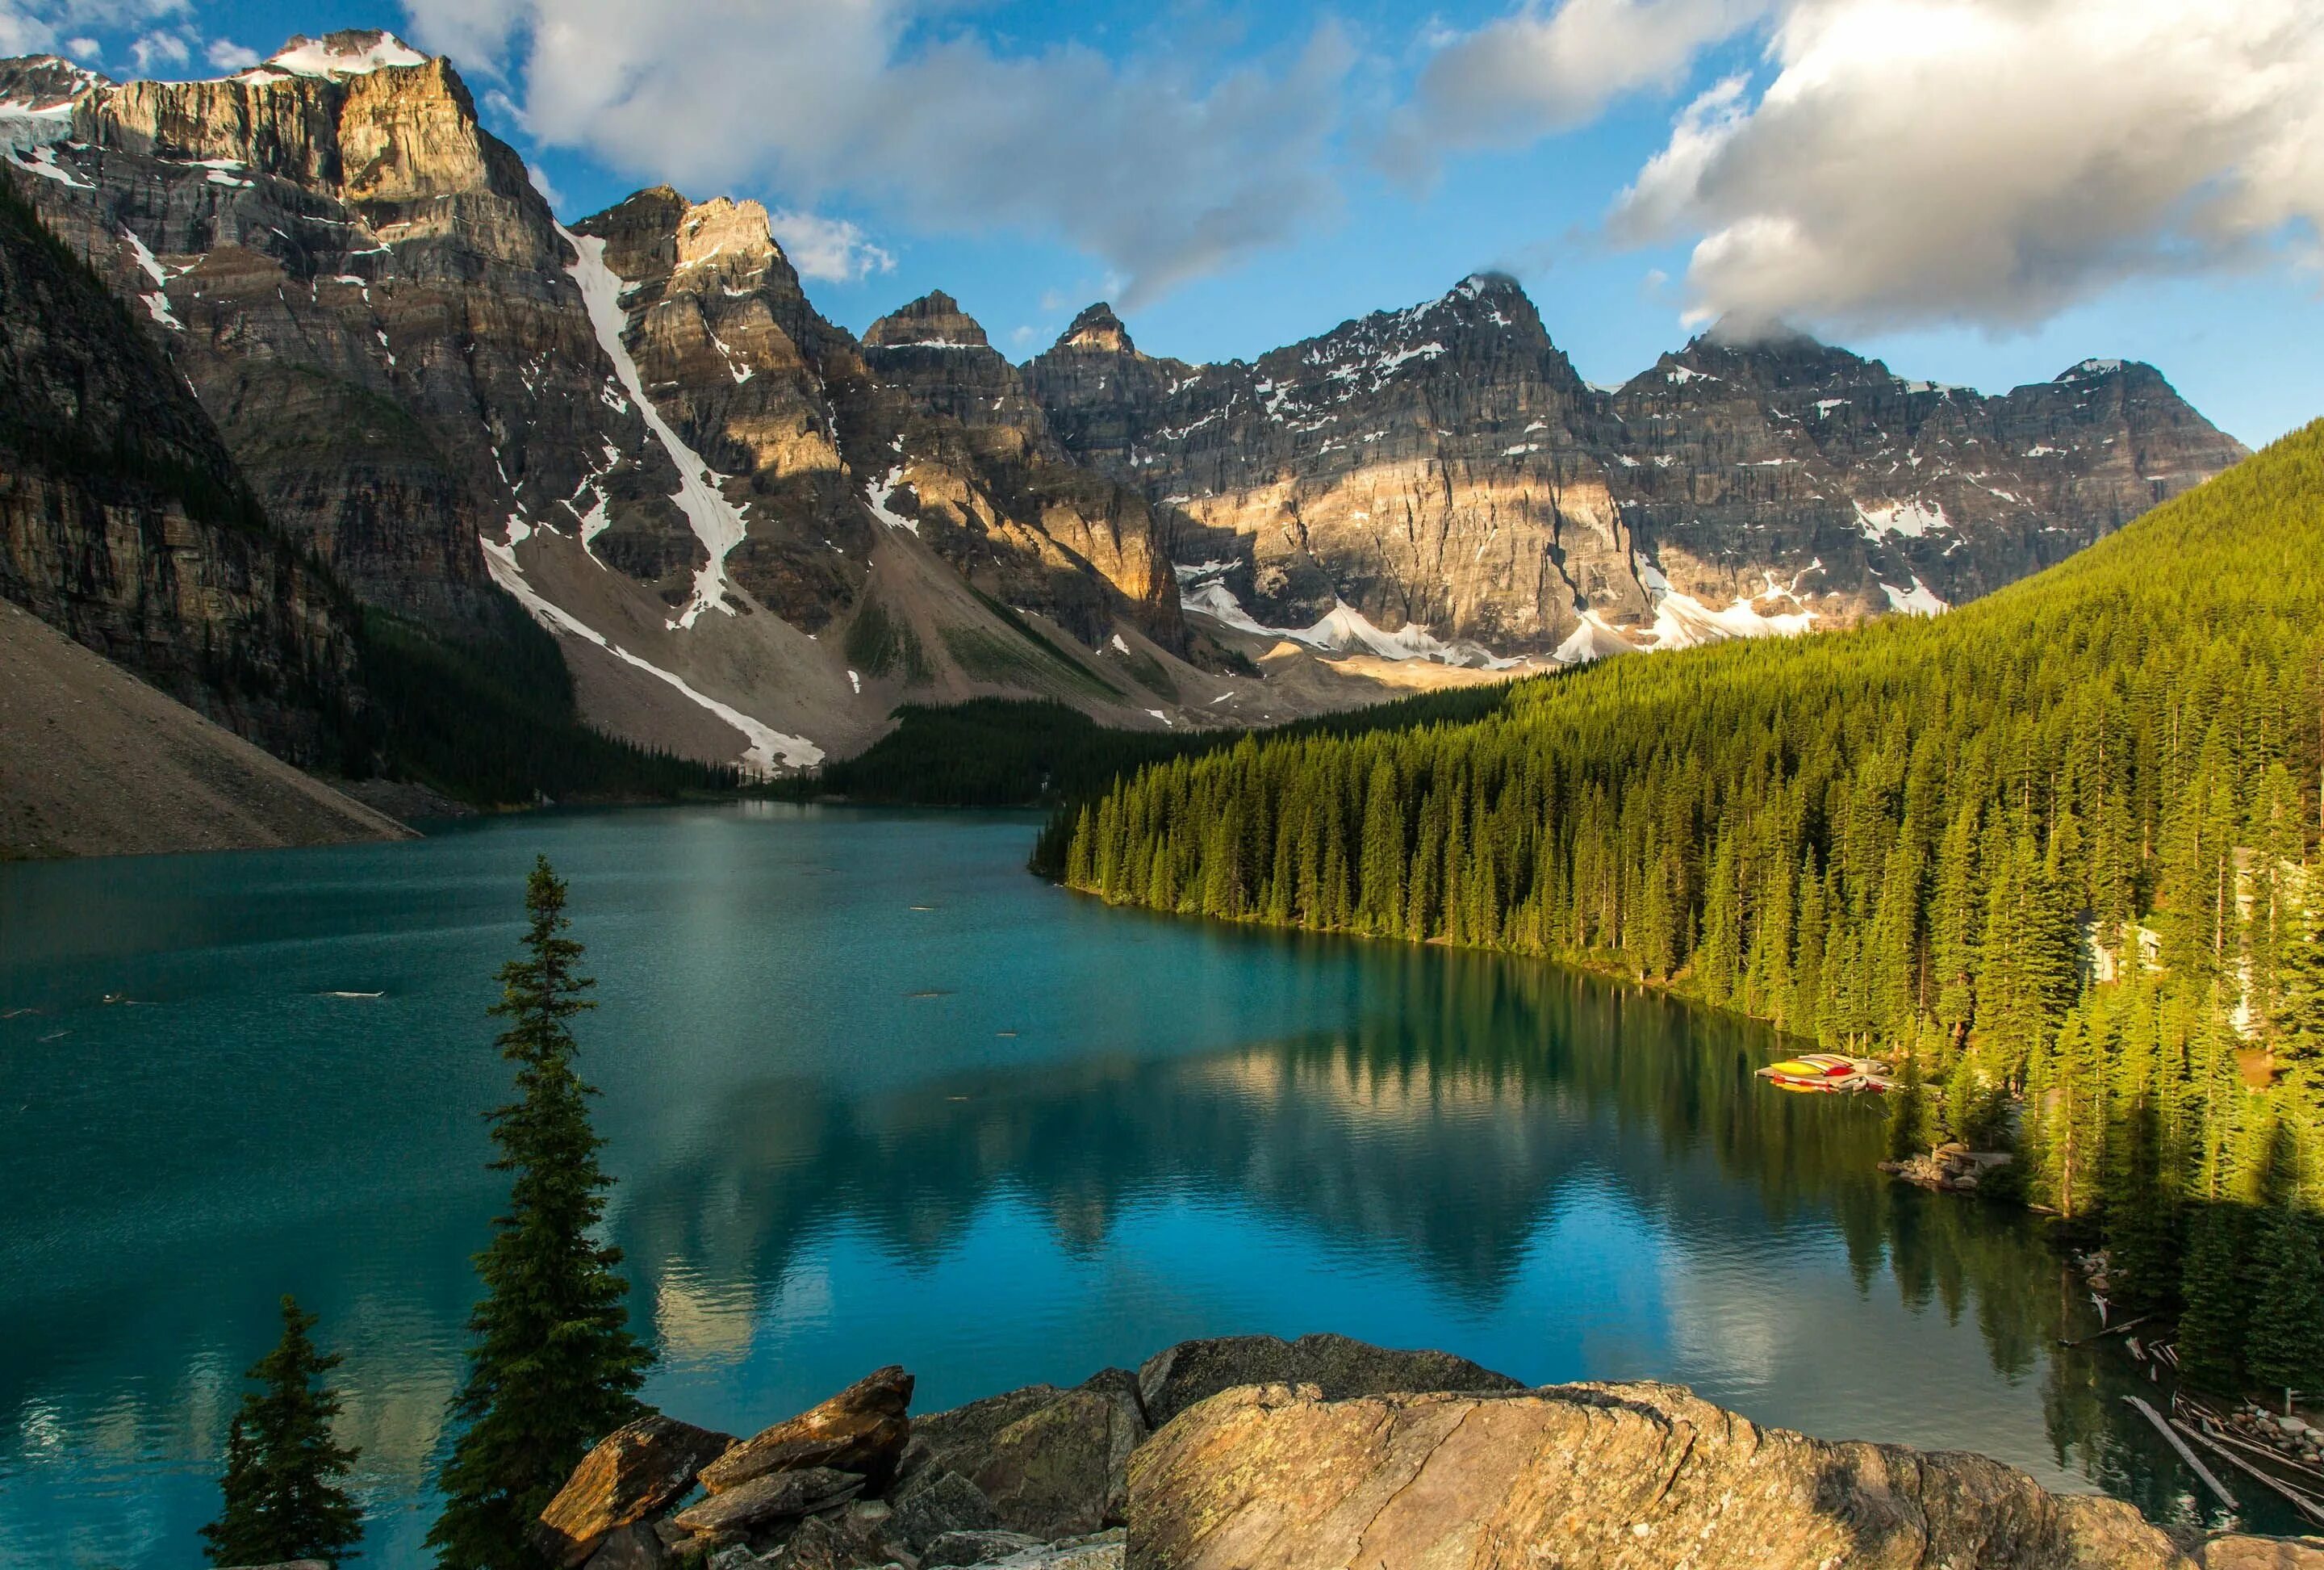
36,26
1162,167
1540,70
1992,162
229,56
832,249
23,33
544,185
160,49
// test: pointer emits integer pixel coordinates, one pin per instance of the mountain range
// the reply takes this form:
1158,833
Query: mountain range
416,395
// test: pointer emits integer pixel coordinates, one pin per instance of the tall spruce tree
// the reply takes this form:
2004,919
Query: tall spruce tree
554,1367
2286,1345
2211,1330
282,1497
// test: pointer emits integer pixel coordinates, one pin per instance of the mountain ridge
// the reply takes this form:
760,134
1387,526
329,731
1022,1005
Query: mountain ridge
744,523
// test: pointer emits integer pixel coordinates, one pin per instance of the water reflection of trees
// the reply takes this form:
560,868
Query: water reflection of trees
1446,1125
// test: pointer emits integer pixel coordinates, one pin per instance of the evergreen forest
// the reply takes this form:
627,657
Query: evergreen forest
2049,852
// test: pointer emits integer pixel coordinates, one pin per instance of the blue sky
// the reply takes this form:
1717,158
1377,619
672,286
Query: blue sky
1978,191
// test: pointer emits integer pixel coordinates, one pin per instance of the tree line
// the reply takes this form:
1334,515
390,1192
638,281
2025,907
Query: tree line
2053,850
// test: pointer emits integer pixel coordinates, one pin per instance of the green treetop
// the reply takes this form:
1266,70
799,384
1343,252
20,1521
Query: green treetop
282,1497
554,1367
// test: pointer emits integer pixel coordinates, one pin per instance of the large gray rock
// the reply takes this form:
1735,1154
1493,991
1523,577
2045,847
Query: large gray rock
862,1429
1614,1477
856,1538
1098,1551
779,1496
634,1547
1053,1463
1173,1379
632,1473
975,1548
937,1501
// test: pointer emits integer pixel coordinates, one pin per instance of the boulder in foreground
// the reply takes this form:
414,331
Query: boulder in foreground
1616,1477
633,1473
862,1429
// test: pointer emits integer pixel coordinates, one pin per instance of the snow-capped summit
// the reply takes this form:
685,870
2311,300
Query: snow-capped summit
355,53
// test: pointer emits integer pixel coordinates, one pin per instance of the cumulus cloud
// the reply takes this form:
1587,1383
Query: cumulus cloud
1991,161
1543,69
228,56
36,26
832,249
1165,167
152,50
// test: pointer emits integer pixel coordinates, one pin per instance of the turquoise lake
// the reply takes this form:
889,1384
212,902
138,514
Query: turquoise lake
872,1094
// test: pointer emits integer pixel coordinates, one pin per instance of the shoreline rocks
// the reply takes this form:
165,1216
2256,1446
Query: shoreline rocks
1952,1169
1250,1452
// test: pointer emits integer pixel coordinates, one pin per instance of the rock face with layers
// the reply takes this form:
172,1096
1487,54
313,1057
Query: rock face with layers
125,525
639,427
1616,1477
630,1474
1049,1463
983,480
863,1429
1443,465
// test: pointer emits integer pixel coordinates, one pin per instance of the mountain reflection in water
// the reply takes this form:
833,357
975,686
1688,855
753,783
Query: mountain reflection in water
1193,1130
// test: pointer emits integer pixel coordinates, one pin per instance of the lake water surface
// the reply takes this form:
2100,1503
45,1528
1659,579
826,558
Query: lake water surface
873,1095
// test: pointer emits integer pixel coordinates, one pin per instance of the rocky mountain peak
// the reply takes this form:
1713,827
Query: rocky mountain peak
35,84
351,53
932,321
1763,357
1097,329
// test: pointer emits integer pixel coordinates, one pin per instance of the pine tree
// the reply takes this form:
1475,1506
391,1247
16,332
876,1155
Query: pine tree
2211,1329
282,1497
1908,1112
2286,1345
554,1367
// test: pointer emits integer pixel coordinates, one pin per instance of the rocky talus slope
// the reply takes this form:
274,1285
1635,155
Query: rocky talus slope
125,524
754,535
1324,1452
93,761
1443,465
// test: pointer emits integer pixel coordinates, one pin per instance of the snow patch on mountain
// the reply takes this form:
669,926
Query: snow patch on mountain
341,54
1912,519
768,747
1344,630
715,523
1917,601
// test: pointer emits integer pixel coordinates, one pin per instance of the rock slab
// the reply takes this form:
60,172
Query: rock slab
778,1496
862,1429
1615,1477
1176,1379
1051,1462
632,1473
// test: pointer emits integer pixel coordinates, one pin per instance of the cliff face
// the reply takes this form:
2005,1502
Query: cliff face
755,535
641,428
1443,465
361,287
125,524
996,495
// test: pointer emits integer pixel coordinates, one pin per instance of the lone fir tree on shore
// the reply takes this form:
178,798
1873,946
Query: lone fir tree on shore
554,1367
282,1497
